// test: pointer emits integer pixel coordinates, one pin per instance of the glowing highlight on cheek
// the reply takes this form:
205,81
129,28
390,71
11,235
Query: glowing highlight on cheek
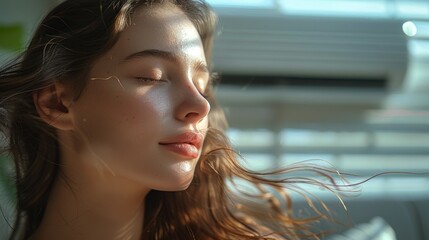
142,91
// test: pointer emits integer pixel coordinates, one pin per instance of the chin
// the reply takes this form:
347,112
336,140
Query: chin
178,184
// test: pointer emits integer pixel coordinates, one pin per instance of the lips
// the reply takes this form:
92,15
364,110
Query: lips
186,144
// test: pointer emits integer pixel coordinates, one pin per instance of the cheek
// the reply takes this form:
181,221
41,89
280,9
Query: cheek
116,122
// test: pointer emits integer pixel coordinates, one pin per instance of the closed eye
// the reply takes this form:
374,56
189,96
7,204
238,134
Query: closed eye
149,80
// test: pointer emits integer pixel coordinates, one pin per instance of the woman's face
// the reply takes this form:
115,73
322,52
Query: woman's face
143,113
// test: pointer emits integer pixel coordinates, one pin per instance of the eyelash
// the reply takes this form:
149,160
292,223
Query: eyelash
146,79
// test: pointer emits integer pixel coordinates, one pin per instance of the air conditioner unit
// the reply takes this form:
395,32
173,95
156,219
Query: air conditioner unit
298,49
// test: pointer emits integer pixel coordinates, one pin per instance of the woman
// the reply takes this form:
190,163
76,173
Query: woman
115,132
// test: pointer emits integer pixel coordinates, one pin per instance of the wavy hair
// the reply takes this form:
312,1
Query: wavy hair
64,47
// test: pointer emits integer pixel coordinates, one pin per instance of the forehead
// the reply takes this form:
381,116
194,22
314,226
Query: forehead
165,28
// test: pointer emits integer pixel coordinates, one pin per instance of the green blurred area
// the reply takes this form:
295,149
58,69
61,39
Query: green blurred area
6,175
11,37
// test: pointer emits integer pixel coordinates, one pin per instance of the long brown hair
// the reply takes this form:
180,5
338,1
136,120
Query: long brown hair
64,47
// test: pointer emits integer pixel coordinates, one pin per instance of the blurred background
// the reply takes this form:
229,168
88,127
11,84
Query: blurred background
338,81
345,81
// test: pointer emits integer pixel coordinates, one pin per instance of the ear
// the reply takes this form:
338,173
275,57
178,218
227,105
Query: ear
53,105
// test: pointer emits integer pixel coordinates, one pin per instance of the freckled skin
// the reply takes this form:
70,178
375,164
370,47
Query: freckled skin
126,120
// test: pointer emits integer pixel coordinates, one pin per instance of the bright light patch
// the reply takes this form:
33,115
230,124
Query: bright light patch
258,161
419,47
412,9
251,138
375,8
409,28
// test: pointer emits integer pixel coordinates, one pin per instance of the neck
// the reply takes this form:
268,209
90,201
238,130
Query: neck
86,205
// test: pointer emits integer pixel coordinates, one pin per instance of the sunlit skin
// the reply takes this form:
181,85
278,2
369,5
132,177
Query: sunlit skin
144,91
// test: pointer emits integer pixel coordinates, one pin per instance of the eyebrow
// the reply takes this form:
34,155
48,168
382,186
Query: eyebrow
169,56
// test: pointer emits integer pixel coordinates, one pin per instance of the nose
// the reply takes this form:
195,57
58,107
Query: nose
192,107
